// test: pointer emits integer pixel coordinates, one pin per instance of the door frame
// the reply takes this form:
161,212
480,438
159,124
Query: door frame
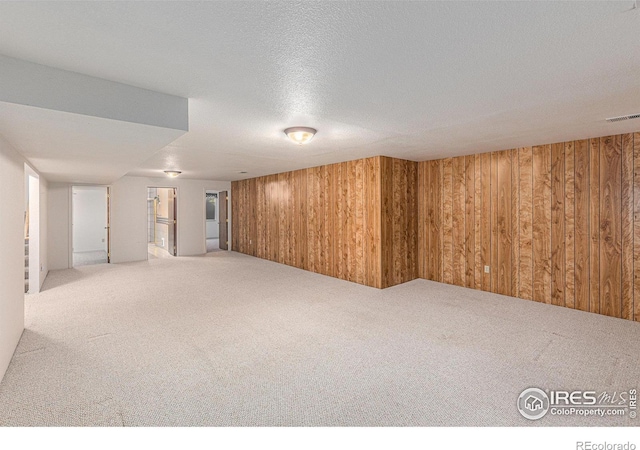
227,207
177,214
108,193
34,266
204,212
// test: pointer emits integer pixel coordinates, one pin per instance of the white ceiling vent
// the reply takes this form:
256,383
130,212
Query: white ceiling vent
618,119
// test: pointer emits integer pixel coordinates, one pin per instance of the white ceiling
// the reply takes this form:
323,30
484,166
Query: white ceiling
416,80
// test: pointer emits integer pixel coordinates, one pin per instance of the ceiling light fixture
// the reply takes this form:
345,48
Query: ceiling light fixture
172,173
300,135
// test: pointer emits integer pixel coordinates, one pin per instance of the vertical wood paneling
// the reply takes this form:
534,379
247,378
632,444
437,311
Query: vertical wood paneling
610,226
386,231
458,220
340,254
515,223
411,220
477,214
636,226
398,208
372,222
627,227
328,266
469,222
399,220
485,232
447,221
525,208
328,219
262,215
359,222
236,201
284,209
569,224
594,225
253,231
235,215
312,219
494,223
423,225
435,214
582,216
504,228
557,225
541,157
274,223
301,217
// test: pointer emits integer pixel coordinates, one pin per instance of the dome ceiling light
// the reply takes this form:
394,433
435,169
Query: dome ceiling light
300,135
172,173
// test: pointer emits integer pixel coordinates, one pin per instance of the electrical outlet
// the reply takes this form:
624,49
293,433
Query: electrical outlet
486,269
103,240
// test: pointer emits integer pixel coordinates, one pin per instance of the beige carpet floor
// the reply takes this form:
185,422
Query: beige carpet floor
229,339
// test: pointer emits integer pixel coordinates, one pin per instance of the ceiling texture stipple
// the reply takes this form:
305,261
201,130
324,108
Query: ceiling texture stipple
415,80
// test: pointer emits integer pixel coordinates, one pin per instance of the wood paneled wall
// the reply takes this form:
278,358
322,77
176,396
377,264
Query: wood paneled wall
355,220
556,223
399,184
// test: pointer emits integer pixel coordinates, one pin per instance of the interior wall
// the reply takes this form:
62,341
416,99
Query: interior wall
34,230
44,230
89,207
12,195
59,226
129,215
557,223
129,226
12,261
331,219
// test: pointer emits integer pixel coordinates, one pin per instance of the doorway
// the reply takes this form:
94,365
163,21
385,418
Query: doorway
90,225
32,267
212,221
224,219
162,222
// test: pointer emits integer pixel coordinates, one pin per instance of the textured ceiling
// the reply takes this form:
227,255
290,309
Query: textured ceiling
416,80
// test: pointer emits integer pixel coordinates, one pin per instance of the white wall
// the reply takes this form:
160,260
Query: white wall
34,230
59,226
27,83
12,259
44,226
89,206
129,218
129,215
12,185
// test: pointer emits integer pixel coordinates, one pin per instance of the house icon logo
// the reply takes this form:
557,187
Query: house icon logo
533,403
